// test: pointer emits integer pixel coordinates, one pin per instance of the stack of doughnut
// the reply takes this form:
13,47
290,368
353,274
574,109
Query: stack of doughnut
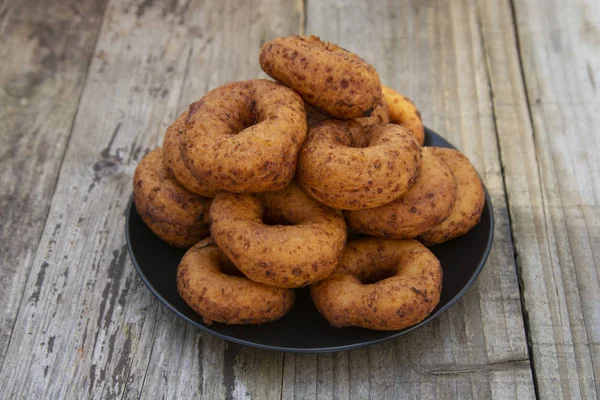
262,181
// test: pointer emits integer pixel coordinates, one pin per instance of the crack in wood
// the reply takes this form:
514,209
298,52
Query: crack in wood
475,369
506,189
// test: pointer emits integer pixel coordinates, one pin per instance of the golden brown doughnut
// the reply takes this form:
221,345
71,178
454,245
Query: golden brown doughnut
245,136
213,288
175,164
350,167
334,81
470,199
402,111
379,116
425,205
283,239
380,284
174,214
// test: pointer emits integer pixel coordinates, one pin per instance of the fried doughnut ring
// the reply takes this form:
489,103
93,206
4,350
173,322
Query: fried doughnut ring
174,214
350,167
176,166
470,199
407,285
404,112
252,132
379,116
424,206
278,255
207,283
334,81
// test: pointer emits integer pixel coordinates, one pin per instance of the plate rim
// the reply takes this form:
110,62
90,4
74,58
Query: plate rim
330,349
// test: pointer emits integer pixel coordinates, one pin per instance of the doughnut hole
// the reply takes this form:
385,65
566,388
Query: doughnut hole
227,267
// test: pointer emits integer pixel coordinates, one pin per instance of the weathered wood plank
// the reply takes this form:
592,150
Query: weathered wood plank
433,52
88,316
220,53
45,51
550,160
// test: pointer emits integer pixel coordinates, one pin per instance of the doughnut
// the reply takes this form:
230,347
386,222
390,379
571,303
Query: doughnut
245,136
424,206
175,164
283,239
380,284
379,116
334,81
350,167
217,291
470,199
402,111
176,215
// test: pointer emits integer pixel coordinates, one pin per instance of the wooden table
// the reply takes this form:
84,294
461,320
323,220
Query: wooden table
88,87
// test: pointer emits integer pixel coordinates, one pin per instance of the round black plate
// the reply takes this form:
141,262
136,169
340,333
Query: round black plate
304,330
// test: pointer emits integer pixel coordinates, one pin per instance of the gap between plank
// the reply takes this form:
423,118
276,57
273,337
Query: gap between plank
149,357
60,164
302,7
499,366
282,375
524,313
542,192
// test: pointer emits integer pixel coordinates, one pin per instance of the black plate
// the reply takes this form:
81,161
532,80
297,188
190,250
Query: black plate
304,330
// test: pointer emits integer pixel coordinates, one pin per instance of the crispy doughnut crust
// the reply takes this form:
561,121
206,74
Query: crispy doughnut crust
350,167
334,81
425,205
175,164
402,111
251,131
380,116
279,255
409,291
205,285
470,199
174,214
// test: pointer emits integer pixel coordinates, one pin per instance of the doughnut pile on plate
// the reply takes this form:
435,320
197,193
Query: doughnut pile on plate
263,180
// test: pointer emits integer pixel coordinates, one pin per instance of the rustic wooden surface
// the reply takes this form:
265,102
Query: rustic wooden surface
87,88
547,105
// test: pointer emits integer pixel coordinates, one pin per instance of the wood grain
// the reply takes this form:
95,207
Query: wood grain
87,315
550,159
45,51
433,52
513,85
